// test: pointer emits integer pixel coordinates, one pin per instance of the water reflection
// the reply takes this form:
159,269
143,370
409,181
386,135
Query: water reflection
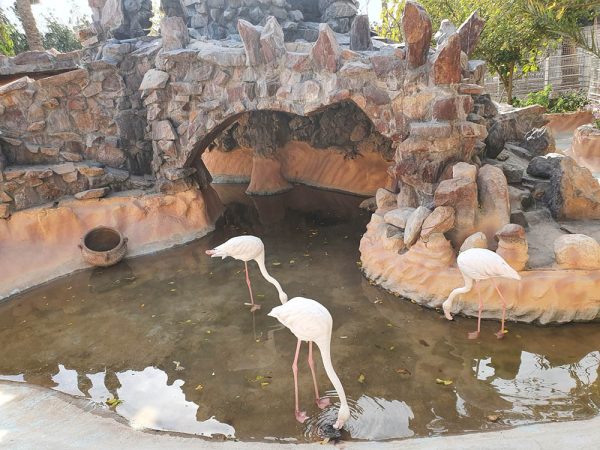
116,333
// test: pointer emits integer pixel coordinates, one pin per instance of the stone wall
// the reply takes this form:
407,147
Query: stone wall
121,19
77,130
217,19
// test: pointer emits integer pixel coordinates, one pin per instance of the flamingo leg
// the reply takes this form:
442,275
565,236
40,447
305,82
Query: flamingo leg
300,415
321,402
500,334
475,334
253,306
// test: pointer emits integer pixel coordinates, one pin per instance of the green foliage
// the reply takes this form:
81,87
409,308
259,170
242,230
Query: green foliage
59,36
562,103
7,46
565,19
509,40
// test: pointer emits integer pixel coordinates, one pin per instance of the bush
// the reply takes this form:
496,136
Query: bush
564,102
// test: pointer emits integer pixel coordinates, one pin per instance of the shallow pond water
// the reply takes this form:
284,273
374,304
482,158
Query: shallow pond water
168,334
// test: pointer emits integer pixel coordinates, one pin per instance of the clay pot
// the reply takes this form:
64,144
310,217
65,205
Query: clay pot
103,246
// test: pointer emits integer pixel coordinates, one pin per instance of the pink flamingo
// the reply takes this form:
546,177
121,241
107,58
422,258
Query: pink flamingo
478,264
246,248
310,321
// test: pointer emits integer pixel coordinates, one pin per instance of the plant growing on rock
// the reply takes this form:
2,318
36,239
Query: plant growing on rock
510,41
564,102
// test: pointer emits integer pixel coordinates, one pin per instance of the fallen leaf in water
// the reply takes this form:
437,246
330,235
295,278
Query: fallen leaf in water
142,305
173,290
377,301
343,337
361,378
260,295
403,371
444,382
493,418
392,347
113,402
264,383
178,365
324,441
307,254
358,263
390,325
208,331
171,282
276,263
199,387
292,261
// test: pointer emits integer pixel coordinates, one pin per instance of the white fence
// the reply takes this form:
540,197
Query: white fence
566,68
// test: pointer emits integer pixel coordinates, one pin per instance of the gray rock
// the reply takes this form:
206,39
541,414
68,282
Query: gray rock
92,193
539,141
154,79
544,166
174,33
398,217
414,224
360,34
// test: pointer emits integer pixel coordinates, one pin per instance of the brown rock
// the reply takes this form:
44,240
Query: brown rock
476,240
385,200
163,130
326,52
111,155
414,224
92,193
91,171
70,156
439,221
446,64
464,170
512,246
174,33
577,251
461,194
250,36
574,192
4,211
407,197
272,45
154,79
494,199
416,28
469,32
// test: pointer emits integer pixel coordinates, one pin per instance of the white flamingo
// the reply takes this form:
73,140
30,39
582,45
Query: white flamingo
247,248
310,321
478,264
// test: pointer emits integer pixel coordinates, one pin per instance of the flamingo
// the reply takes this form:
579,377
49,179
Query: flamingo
478,264
310,321
246,248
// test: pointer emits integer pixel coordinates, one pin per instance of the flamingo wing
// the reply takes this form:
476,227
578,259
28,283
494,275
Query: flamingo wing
243,248
480,264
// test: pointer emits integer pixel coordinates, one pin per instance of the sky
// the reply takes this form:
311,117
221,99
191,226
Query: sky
63,10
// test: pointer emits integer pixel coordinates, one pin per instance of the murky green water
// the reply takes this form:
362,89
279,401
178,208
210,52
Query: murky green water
168,335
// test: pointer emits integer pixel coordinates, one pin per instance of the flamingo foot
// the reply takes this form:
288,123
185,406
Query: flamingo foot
210,252
473,335
301,416
500,334
253,306
323,403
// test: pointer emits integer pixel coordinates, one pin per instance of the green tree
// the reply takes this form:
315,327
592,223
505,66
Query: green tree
7,46
34,38
565,19
510,41
60,36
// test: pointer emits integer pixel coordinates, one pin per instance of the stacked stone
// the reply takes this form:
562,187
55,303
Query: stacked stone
338,14
121,19
218,18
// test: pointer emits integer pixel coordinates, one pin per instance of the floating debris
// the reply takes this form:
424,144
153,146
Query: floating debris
444,382
361,378
178,366
113,402
403,371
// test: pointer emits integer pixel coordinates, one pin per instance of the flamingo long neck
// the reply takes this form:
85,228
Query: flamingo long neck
260,260
324,349
462,290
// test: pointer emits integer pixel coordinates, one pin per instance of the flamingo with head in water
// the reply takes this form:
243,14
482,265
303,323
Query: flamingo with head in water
478,264
310,321
247,248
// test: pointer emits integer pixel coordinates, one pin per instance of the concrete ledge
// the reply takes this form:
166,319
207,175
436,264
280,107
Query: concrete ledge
40,244
33,417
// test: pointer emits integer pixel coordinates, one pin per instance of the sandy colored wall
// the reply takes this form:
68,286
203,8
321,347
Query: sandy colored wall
585,148
301,163
568,122
39,244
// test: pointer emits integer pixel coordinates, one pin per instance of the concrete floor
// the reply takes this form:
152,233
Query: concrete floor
36,418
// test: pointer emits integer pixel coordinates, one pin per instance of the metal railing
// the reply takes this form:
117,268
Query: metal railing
566,68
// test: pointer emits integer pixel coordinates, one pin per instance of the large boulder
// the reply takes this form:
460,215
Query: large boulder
476,240
398,217
174,33
414,224
574,193
439,221
461,194
539,141
494,199
469,32
385,200
577,251
512,246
